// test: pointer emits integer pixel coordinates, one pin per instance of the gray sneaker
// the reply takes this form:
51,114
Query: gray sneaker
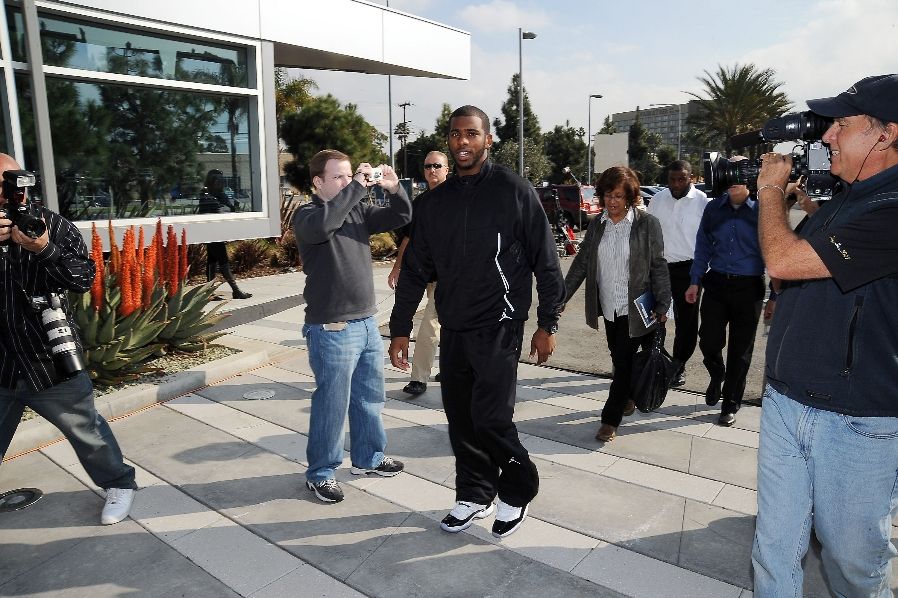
327,490
387,468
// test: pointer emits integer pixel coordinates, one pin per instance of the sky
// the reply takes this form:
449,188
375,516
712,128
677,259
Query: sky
634,52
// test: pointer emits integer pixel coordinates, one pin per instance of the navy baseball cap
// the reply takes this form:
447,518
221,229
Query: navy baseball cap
874,96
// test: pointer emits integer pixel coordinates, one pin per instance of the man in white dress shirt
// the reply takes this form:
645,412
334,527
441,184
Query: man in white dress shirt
680,208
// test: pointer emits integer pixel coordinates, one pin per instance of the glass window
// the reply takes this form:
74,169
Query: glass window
15,23
29,141
83,45
128,152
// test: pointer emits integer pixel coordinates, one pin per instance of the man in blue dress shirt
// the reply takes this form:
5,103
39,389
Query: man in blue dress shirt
729,267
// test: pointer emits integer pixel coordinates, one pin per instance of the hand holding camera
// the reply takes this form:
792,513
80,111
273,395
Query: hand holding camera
382,175
18,223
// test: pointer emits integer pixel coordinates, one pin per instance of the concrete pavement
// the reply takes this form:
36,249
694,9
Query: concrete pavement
666,509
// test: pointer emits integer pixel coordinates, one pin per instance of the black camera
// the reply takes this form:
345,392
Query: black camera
61,341
15,190
810,158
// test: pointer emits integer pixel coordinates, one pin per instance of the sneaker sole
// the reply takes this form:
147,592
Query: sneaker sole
478,515
515,528
386,474
321,497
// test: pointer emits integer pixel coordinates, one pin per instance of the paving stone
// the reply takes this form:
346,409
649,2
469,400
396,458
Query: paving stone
411,412
335,538
66,515
171,514
425,451
640,519
566,454
718,543
234,388
143,565
281,375
638,575
241,559
737,498
642,442
725,462
308,581
665,480
421,560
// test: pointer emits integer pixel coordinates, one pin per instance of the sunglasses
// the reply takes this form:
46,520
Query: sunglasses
433,166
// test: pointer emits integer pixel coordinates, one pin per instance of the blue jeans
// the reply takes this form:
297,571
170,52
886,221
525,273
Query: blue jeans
70,407
349,376
836,473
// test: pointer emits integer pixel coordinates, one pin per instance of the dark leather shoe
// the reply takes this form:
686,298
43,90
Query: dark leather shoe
606,433
726,419
712,395
415,388
238,294
679,377
630,408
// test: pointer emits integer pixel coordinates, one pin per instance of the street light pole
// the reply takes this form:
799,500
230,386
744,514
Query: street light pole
589,138
679,124
522,35
404,105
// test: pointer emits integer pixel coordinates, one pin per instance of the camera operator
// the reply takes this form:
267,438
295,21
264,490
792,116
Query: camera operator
55,262
828,452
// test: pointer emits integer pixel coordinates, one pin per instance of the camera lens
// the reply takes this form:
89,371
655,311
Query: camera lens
66,356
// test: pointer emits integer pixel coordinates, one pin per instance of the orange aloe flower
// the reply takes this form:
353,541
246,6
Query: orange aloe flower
96,254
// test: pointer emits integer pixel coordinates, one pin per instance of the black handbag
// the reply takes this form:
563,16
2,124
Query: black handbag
653,369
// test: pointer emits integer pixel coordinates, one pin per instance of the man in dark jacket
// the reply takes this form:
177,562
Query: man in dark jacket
346,352
484,235
828,455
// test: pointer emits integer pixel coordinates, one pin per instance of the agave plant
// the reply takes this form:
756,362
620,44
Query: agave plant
138,306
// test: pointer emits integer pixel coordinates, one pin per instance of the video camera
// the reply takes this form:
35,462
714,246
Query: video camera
811,162
15,190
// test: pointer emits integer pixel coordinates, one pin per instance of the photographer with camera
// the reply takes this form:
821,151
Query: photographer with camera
346,352
828,454
42,255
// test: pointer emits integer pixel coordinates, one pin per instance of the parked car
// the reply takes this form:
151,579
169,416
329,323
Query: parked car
579,204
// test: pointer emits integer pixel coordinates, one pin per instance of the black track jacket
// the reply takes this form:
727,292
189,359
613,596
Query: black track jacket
483,237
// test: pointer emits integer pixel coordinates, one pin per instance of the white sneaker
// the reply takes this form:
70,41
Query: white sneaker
118,505
463,515
508,519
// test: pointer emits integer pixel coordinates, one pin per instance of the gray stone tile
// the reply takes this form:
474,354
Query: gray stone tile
717,542
420,560
637,518
640,441
724,462
335,538
638,575
120,560
233,389
311,582
241,559
425,451
66,515
557,423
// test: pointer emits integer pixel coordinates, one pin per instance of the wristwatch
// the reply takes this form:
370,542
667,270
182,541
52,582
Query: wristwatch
551,328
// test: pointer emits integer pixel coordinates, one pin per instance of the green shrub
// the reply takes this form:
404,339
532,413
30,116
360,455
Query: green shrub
249,253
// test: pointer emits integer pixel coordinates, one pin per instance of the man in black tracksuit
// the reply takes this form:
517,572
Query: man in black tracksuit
483,234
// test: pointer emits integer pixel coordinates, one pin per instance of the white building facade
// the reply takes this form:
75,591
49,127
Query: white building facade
122,107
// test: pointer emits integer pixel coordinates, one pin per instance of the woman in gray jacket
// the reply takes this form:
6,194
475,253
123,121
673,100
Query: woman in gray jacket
621,257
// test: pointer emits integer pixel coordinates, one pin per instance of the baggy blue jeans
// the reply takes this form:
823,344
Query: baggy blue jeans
349,376
70,407
834,472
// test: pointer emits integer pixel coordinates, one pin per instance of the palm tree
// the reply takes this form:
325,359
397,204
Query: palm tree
739,99
290,94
